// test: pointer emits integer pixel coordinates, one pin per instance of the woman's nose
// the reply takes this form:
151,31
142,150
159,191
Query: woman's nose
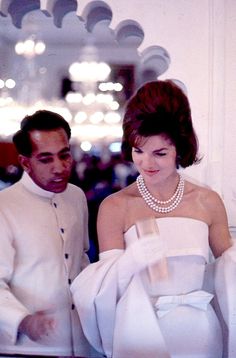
149,161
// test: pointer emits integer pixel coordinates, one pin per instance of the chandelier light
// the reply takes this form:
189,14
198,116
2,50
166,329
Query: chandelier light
89,71
30,48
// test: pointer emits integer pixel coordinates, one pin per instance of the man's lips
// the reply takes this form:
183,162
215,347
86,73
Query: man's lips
58,180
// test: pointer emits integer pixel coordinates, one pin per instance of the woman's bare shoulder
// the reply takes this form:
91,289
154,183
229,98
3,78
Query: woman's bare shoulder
208,195
120,198
205,199
112,217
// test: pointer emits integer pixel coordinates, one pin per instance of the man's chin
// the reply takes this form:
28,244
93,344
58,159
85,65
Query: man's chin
58,188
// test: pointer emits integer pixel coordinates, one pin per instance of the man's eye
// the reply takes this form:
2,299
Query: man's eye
45,160
65,156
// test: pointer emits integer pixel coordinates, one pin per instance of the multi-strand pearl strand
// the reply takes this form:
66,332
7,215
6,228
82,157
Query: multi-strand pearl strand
154,203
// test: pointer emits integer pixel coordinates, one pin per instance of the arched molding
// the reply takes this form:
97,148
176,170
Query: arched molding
96,12
4,5
59,11
155,58
47,6
130,33
96,17
18,9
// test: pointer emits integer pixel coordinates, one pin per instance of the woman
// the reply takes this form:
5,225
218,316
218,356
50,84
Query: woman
172,316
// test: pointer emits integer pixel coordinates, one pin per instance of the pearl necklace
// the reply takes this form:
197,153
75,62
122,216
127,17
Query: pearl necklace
154,203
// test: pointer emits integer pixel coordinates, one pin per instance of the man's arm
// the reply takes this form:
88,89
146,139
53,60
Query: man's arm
12,311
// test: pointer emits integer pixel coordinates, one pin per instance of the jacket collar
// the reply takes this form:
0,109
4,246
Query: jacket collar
30,185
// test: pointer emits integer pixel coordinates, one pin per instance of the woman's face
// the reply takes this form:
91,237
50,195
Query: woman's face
155,158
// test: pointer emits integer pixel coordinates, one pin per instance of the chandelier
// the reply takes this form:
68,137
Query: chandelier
30,47
89,71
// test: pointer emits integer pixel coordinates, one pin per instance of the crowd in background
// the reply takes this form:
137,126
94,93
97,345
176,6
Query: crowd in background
100,176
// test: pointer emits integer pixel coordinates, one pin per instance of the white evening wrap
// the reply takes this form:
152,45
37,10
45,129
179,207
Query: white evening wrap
225,289
114,307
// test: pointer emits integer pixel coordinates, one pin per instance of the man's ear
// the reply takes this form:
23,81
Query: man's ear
24,162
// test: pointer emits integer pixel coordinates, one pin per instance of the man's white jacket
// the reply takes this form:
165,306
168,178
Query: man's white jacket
43,240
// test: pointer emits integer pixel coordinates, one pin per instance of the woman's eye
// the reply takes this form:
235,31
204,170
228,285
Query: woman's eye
136,150
160,154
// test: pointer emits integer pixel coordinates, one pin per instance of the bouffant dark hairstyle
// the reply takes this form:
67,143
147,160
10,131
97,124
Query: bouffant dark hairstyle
160,108
43,120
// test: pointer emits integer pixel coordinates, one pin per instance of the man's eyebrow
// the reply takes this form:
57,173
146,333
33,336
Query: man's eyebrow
66,149
47,154
44,154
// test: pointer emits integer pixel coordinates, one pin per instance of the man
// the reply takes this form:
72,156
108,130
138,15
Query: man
43,239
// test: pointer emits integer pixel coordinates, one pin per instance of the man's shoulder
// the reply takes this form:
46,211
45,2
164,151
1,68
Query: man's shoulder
11,197
10,190
74,191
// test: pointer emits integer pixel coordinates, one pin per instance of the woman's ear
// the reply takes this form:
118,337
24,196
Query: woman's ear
178,160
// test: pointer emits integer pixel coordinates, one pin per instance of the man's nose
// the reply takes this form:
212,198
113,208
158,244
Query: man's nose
58,166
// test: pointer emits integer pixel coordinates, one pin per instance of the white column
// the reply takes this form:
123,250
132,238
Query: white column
216,85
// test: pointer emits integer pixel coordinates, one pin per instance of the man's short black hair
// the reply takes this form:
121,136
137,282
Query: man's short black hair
42,120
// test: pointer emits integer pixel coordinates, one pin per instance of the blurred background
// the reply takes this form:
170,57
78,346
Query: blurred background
84,59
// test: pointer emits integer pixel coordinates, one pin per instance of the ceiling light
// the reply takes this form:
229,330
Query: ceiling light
89,71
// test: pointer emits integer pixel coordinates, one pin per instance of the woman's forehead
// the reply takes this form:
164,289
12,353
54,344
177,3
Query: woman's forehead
154,140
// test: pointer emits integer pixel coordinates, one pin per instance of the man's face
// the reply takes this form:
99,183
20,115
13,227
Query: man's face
50,163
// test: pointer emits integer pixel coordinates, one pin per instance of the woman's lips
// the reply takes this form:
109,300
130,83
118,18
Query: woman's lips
151,172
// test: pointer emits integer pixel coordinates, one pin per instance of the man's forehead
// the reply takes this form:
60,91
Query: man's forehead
38,133
53,141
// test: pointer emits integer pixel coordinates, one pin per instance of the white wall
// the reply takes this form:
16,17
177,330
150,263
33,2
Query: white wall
229,164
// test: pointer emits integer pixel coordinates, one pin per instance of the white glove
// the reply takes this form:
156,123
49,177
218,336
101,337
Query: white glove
141,254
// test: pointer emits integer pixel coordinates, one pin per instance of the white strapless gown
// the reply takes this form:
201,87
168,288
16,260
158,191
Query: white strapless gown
173,317
189,331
